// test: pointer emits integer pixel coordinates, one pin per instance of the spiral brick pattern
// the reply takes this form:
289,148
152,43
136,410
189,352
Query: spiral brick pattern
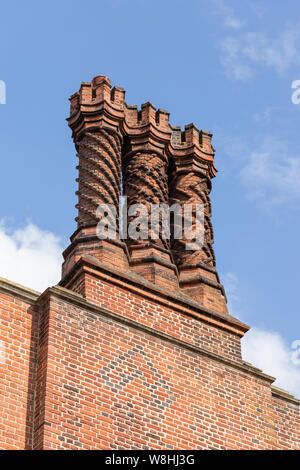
193,188
99,180
145,182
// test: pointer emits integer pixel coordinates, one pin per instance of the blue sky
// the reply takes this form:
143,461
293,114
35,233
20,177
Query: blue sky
225,65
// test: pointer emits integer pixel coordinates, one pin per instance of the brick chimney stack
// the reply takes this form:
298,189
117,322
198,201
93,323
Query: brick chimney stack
192,157
146,182
95,116
119,145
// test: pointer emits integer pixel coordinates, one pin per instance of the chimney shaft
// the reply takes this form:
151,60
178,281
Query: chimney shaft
159,165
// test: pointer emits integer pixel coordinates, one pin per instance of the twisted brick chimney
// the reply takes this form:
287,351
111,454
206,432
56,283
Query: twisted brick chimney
95,117
138,154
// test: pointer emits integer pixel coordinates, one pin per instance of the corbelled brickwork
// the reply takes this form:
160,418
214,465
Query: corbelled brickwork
135,349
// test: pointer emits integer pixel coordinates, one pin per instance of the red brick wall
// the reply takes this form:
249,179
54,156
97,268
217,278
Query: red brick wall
111,385
113,378
18,337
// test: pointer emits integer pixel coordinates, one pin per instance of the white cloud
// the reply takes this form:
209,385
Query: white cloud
259,10
264,116
265,349
30,256
226,12
268,168
231,283
272,175
268,351
234,65
243,52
